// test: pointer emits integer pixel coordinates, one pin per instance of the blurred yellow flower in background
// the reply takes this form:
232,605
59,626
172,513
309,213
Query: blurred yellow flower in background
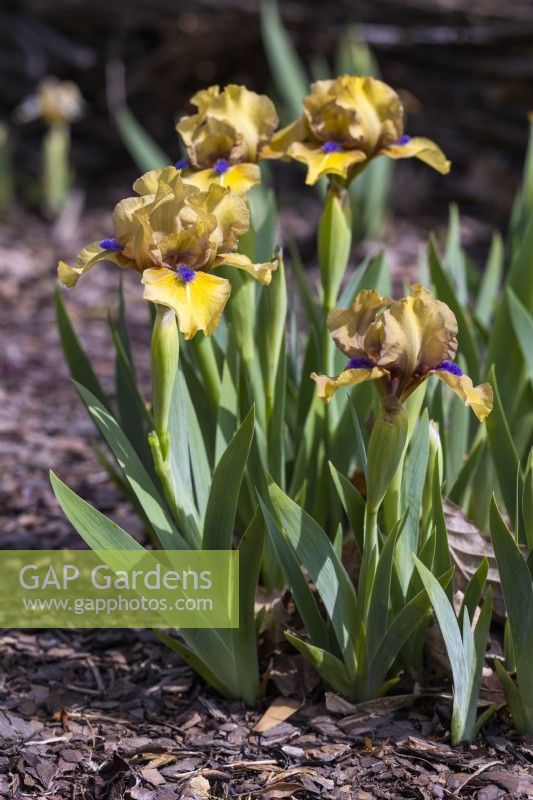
225,137
346,123
56,102
400,343
174,234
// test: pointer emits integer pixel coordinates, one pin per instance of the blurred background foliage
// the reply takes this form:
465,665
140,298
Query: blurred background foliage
463,68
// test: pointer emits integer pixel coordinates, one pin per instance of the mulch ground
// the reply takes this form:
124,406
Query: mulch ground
115,714
112,714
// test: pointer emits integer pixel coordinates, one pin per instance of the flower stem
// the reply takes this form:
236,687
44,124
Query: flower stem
205,358
392,500
164,356
334,243
56,167
371,528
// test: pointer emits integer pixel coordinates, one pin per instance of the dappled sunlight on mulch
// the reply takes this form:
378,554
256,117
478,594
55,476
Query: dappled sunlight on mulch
115,714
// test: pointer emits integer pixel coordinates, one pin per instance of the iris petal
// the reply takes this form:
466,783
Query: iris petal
198,303
479,398
321,163
281,141
87,259
240,178
414,334
349,326
327,386
230,125
424,149
262,272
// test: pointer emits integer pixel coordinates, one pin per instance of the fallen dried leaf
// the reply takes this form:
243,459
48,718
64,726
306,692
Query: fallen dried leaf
281,789
468,546
281,709
159,760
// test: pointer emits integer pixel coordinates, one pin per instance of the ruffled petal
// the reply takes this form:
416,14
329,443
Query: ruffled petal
189,247
204,97
150,181
198,303
253,115
87,259
326,386
215,139
479,398
124,215
207,138
348,326
378,107
261,272
233,123
424,149
329,121
231,212
282,140
358,112
321,163
414,334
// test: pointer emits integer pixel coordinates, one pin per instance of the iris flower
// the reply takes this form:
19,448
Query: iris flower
225,137
399,344
56,102
174,235
346,123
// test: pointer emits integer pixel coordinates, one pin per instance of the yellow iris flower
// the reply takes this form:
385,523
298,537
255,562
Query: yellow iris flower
225,137
346,123
400,343
56,102
174,234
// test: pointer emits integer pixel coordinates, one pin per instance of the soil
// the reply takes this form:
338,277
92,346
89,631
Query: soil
112,714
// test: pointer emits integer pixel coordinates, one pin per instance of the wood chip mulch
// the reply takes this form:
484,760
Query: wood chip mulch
114,714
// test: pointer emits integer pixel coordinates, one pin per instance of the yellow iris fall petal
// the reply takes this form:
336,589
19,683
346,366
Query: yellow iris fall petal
346,123
198,304
173,233
87,259
478,397
326,386
240,178
320,163
424,149
400,342
262,272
